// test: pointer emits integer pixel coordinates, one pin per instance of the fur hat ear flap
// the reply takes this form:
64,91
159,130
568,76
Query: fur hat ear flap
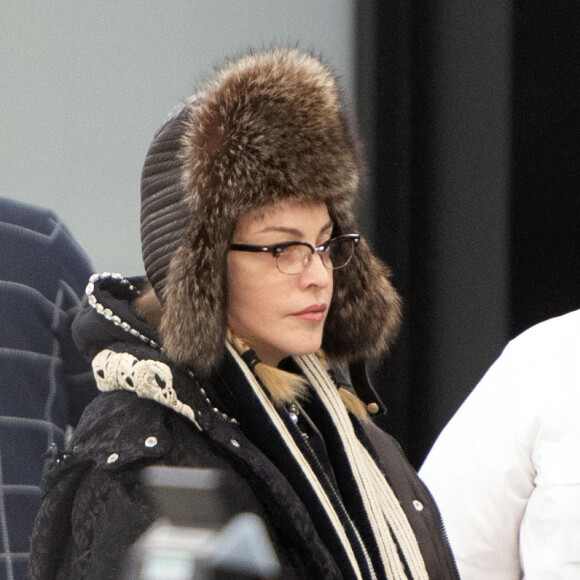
194,319
365,314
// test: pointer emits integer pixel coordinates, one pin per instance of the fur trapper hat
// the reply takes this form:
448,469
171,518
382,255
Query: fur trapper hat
269,128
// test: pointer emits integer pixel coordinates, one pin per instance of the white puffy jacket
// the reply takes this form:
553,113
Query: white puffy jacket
505,471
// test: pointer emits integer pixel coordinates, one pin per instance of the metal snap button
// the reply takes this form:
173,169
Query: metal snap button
112,458
418,505
151,441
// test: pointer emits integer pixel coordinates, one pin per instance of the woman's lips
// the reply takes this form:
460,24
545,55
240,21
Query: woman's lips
314,313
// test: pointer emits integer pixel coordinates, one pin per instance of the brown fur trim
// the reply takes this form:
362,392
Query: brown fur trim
365,312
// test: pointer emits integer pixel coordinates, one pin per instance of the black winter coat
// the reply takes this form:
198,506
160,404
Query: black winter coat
96,506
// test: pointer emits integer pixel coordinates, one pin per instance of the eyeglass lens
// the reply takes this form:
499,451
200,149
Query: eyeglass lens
296,258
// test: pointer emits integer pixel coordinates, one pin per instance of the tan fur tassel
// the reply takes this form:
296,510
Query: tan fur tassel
148,306
353,404
284,387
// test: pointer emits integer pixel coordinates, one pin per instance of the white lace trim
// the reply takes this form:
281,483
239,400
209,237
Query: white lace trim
149,379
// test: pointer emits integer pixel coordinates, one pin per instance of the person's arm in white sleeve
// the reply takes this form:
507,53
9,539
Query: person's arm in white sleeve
481,475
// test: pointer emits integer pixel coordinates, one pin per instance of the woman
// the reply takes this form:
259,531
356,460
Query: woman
257,286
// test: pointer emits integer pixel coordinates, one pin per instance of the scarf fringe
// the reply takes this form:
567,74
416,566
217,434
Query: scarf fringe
380,502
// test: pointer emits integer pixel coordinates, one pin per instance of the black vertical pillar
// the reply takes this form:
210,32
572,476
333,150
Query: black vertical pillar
383,67
545,235
441,75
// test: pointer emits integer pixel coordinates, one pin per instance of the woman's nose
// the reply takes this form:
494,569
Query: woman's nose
316,272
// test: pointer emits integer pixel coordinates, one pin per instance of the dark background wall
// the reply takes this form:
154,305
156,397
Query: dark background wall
545,185
472,116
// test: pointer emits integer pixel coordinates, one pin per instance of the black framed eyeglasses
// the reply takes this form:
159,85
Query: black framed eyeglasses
294,257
